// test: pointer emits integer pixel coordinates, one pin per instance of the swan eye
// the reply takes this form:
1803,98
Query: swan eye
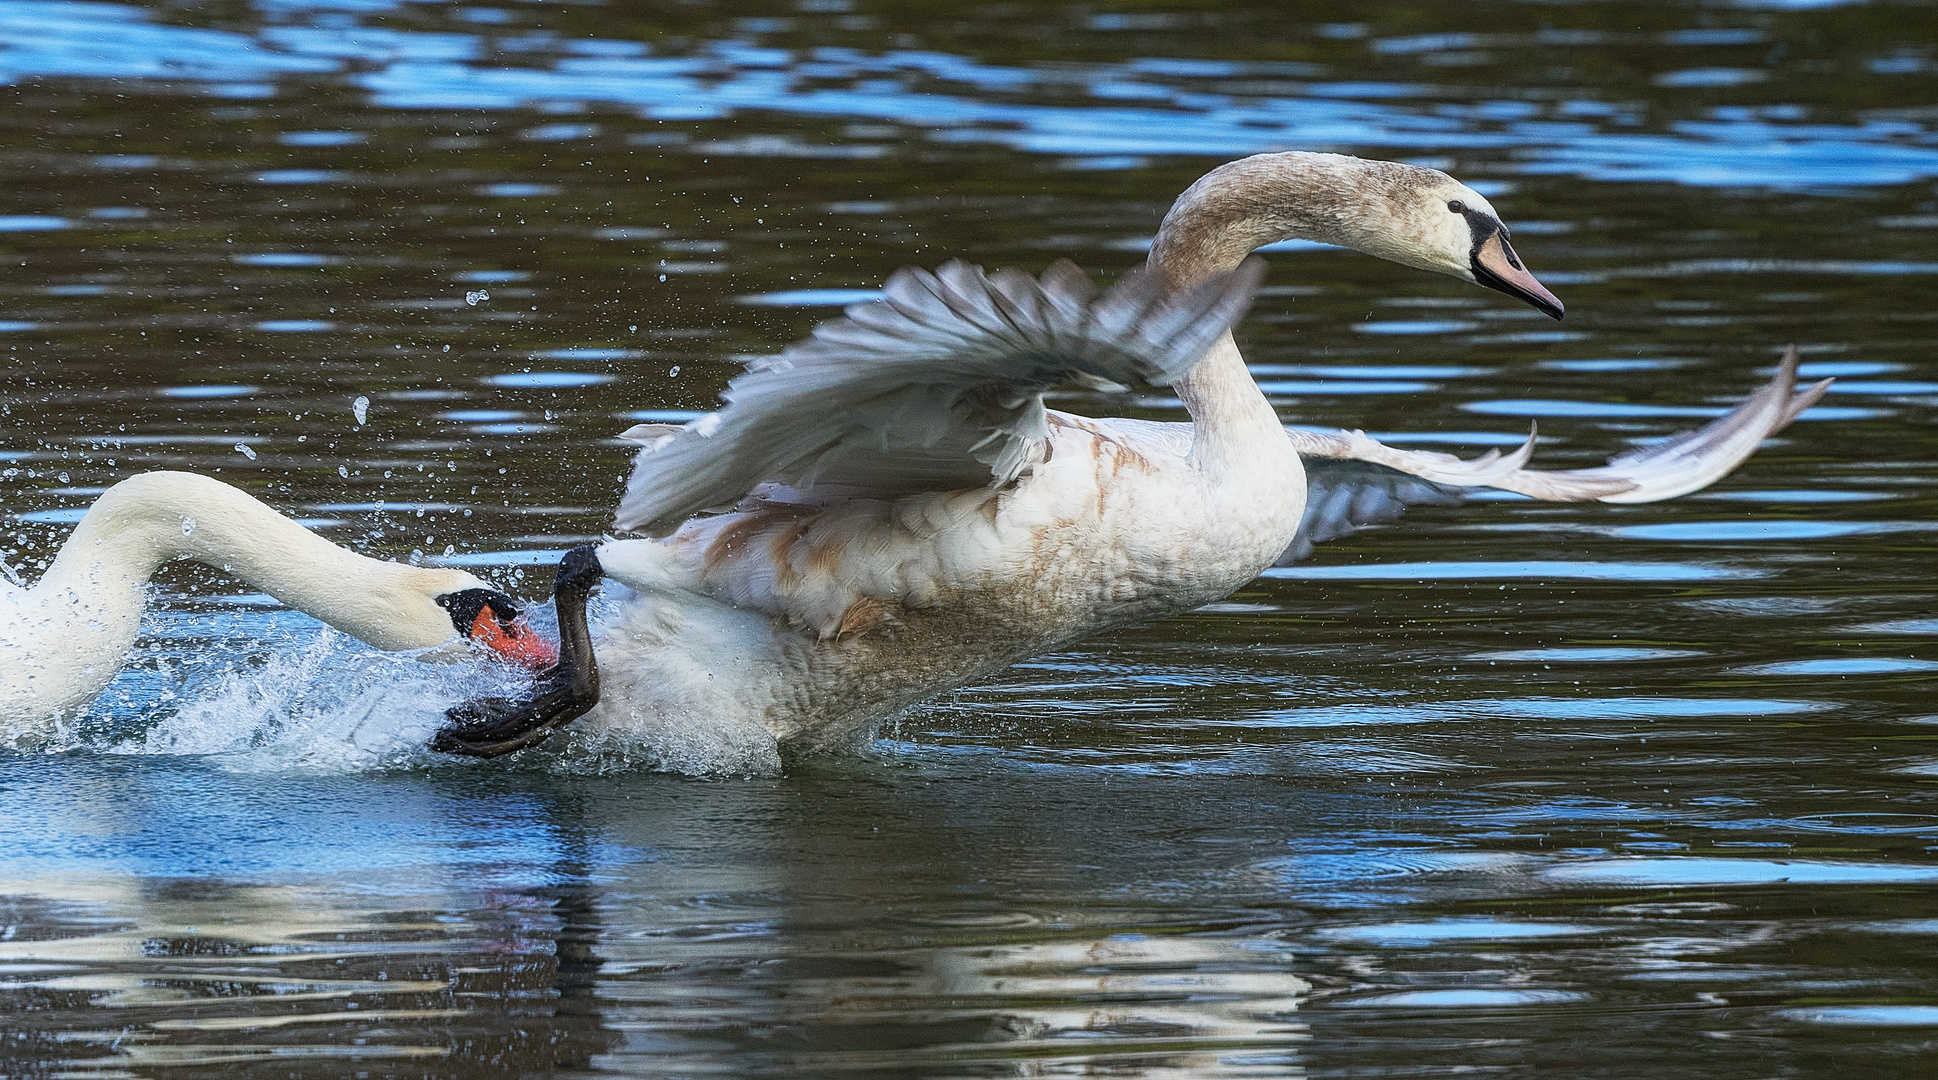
1457,206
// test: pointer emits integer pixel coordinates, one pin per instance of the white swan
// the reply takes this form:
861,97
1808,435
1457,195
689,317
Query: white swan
63,640
902,515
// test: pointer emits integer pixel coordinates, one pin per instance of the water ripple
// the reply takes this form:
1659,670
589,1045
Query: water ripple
1539,570
418,69
1699,871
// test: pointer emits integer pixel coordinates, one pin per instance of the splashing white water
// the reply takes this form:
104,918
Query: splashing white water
328,705
264,696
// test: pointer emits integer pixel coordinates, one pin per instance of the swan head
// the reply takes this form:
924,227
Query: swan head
1445,226
1407,214
486,617
1425,219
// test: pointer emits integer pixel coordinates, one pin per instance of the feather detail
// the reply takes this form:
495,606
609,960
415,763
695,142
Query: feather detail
1343,500
936,387
1659,470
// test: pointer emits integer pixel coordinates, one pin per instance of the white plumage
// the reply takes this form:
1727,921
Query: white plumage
887,510
938,386
63,639
896,513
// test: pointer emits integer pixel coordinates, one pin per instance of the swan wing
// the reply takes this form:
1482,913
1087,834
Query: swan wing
938,386
1345,496
1356,480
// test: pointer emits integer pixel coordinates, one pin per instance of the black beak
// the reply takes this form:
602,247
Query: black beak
1496,266
490,727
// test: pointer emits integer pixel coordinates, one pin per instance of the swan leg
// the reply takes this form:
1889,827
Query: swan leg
490,727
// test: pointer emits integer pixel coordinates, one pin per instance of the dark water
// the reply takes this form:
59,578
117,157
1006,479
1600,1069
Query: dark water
1508,788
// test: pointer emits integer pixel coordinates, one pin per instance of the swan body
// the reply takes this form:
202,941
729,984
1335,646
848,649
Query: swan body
887,510
63,640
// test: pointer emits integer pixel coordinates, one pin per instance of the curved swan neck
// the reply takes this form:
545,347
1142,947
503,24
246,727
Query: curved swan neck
1241,206
1230,212
150,519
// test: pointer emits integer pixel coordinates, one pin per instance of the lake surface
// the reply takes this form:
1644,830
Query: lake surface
1513,789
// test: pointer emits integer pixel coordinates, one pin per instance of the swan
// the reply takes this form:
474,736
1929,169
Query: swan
887,510
63,639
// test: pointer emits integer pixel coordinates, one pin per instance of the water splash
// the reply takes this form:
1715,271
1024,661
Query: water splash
329,704
275,693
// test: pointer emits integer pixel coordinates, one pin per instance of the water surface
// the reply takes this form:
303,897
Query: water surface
1613,791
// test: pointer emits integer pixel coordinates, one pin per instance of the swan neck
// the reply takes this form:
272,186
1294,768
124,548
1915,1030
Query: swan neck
150,519
1211,228
1244,205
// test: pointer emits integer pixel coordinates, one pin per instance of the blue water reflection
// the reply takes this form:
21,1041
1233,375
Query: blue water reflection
184,818
1534,570
1469,792
1183,106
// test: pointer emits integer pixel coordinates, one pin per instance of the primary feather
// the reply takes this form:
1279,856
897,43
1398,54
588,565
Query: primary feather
937,386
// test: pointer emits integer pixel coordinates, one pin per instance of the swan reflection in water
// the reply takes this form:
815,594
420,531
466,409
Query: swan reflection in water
215,973
888,510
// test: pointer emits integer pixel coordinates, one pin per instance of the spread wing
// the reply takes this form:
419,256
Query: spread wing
1366,482
935,387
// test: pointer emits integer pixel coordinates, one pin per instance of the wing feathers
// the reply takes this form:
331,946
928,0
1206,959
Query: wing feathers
1660,470
1344,500
936,386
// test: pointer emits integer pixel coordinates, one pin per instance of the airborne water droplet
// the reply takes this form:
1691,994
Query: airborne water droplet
188,526
343,471
243,449
361,407
476,297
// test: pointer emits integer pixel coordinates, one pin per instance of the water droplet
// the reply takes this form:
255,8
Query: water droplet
188,526
476,297
361,407
674,370
343,471
243,449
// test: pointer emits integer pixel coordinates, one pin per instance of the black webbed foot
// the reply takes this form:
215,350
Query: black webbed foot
489,727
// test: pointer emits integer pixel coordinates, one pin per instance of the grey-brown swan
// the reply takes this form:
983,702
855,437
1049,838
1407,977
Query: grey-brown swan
887,510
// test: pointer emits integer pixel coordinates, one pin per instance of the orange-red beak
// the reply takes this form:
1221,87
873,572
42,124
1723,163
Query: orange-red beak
515,641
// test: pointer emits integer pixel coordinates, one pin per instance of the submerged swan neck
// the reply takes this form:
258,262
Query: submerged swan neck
150,519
